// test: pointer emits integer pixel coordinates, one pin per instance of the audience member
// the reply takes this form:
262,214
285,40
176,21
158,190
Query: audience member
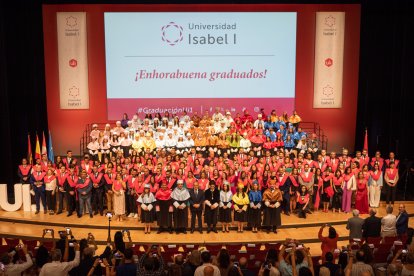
372,225
389,223
206,259
354,225
402,222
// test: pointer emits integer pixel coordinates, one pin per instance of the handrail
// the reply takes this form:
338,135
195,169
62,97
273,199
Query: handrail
308,127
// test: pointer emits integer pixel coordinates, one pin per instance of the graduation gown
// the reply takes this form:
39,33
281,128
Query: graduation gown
272,215
212,198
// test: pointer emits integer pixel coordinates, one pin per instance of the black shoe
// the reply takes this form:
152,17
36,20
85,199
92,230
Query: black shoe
37,212
159,232
275,231
192,231
185,232
69,214
59,212
90,215
95,213
171,231
268,231
101,213
215,230
208,230
287,214
45,212
79,216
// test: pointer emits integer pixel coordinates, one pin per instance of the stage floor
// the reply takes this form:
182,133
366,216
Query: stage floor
27,225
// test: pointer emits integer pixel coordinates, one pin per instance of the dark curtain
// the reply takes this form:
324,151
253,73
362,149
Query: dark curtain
22,82
386,79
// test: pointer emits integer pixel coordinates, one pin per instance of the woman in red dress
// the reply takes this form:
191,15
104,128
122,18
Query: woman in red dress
361,201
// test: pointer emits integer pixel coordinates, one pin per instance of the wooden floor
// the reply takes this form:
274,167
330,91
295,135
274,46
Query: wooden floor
27,225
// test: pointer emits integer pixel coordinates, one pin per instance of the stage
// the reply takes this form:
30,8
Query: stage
27,225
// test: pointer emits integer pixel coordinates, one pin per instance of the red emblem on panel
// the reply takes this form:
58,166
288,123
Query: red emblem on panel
328,62
73,62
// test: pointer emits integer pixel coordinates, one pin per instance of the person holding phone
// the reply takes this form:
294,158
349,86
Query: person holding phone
16,269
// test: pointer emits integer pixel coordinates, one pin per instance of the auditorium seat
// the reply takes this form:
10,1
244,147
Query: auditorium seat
31,244
389,240
12,242
374,240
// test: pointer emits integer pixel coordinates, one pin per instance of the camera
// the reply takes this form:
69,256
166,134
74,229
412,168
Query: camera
118,256
71,244
404,251
109,215
67,230
125,231
48,230
154,247
236,264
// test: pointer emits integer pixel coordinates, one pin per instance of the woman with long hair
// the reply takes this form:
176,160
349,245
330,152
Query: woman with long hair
327,190
337,184
349,187
329,243
241,203
361,200
317,189
225,206
302,201
375,185
254,214
293,188
118,188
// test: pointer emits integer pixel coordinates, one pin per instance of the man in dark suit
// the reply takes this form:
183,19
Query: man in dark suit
196,207
354,225
372,225
402,221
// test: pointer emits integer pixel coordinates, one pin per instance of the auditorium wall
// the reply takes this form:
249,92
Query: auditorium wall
339,124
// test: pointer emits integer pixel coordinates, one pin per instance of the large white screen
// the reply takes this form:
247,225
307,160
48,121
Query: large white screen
162,55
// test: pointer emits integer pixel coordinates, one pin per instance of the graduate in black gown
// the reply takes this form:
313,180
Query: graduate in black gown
212,201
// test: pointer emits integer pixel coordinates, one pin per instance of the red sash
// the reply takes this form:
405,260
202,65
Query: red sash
294,181
72,182
189,182
82,185
337,181
163,194
203,183
283,181
25,170
40,177
117,185
318,199
48,179
61,179
391,176
171,182
306,179
376,175
109,180
303,199
131,183
96,180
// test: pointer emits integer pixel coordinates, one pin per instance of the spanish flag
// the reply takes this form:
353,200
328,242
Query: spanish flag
29,151
37,149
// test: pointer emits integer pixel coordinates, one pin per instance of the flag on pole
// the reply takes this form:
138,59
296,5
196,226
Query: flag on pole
37,149
44,148
50,149
29,151
366,140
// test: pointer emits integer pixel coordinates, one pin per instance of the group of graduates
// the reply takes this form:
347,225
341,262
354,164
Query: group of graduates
156,181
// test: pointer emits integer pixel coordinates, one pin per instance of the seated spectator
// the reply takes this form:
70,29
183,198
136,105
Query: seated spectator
11,268
57,267
406,267
243,267
206,259
294,260
329,263
402,222
357,266
127,268
223,262
177,267
151,263
193,261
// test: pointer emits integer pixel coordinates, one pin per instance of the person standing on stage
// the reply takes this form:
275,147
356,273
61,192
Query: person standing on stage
337,184
375,185
50,189
62,185
361,199
132,185
225,206
72,179
24,171
349,187
284,186
391,179
97,190
241,204
84,192
147,201
164,208
180,197
212,200
108,180
38,186
272,198
254,214
118,188
196,207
